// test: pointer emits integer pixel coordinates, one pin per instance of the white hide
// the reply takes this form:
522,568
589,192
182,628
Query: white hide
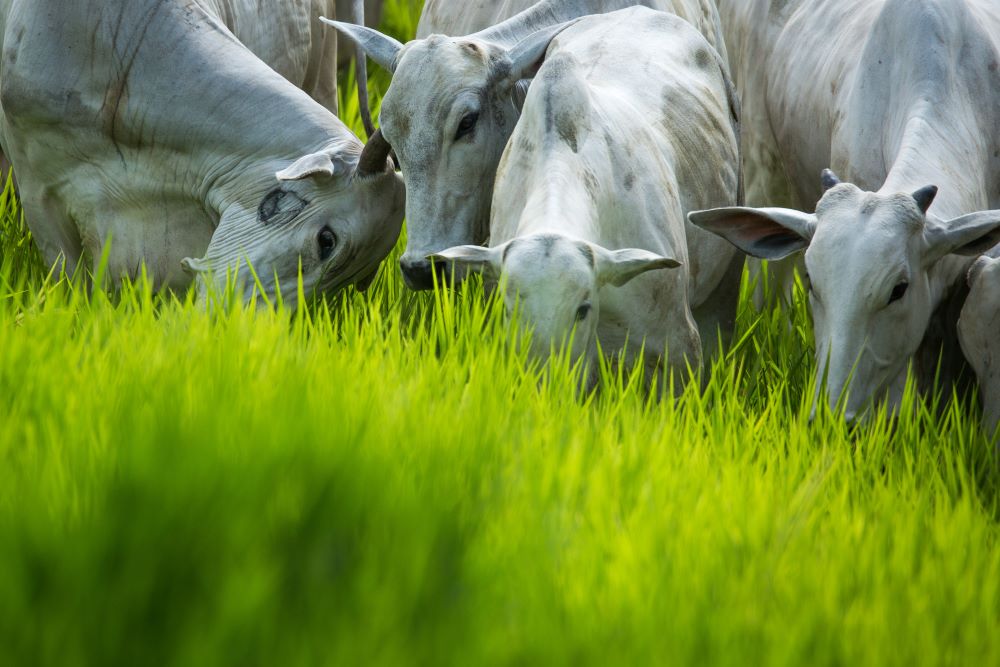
979,333
453,103
628,125
896,95
172,157
288,36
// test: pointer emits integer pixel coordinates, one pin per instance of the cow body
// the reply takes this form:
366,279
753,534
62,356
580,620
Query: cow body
453,104
896,96
596,181
147,124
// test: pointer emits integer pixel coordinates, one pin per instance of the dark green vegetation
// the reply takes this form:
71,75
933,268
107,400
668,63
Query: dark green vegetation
386,479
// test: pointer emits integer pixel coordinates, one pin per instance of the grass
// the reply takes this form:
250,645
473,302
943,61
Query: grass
386,479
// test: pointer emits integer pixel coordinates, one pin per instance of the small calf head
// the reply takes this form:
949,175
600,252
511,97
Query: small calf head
555,283
452,106
869,257
331,214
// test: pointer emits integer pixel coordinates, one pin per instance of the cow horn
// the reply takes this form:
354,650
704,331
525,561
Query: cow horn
374,155
829,179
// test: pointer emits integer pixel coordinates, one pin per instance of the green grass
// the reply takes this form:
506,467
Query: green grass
386,479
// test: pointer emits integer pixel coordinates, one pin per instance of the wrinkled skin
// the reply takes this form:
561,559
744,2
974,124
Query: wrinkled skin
453,104
979,333
584,175
111,147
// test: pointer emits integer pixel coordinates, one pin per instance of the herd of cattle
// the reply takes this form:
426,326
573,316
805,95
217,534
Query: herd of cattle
616,162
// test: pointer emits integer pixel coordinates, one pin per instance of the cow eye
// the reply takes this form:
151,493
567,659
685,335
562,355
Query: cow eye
897,292
583,311
467,125
327,241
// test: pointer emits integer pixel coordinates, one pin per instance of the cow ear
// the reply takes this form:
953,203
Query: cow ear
527,56
381,48
766,233
194,267
979,266
317,164
968,235
472,258
618,267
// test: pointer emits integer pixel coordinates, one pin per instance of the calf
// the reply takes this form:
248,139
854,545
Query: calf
594,185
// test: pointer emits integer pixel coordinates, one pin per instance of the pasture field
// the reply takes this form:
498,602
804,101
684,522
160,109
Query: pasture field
384,478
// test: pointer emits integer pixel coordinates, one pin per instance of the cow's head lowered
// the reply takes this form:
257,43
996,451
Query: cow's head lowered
333,213
869,258
452,106
555,282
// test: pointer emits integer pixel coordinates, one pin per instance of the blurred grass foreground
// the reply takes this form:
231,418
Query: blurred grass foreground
386,479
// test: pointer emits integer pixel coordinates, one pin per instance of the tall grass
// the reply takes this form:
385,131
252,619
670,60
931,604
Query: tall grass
386,478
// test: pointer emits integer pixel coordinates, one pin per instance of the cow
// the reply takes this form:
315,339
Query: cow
594,185
452,105
979,332
147,127
902,97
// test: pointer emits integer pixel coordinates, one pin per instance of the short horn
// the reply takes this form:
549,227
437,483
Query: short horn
829,179
374,155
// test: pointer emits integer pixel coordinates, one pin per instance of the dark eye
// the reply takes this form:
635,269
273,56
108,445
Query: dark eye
898,291
467,125
583,311
327,240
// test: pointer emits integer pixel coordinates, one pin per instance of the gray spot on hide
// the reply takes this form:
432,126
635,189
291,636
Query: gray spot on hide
280,207
629,180
702,58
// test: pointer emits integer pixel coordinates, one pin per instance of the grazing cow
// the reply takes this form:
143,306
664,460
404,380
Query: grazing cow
593,189
902,97
452,106
979,332
147,124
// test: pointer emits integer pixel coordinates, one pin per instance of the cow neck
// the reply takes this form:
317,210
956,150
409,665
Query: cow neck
559,202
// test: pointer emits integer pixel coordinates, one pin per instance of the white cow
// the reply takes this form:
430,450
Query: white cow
452,106
979,332
899,96
147,124
629,124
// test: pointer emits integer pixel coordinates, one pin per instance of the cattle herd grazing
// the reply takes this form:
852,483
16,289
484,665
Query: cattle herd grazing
611,165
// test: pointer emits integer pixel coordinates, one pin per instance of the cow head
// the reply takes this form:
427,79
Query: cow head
555,282
330,213
869,258
452,106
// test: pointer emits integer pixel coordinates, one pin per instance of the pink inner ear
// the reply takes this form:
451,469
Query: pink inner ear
747,227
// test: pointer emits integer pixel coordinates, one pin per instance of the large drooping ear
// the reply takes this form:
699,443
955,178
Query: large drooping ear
968,235
380,48
487,261
317,164
618,267
524,59
767,233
